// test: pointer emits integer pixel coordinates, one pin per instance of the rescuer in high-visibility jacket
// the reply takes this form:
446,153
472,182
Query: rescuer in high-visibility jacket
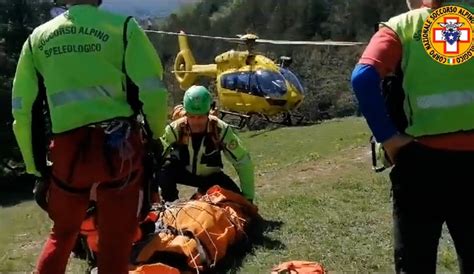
432,155
89,72
194,145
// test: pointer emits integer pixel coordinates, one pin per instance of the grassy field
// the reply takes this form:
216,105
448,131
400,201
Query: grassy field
316,190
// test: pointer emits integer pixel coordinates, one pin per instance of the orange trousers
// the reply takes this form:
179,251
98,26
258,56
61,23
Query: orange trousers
81,160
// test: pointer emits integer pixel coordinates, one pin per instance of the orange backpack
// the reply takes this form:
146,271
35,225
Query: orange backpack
154,269
299,267
178,112
201,231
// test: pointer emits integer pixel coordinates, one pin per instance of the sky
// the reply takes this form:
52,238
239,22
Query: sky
144,8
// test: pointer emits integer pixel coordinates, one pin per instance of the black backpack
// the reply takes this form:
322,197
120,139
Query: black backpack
394,97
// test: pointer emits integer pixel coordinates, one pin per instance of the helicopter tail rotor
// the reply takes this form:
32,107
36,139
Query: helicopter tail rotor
183,64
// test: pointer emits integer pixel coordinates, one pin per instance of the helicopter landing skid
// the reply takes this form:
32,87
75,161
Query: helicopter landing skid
255,121
243,118
288,119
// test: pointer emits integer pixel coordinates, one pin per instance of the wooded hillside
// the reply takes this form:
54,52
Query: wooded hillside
325,71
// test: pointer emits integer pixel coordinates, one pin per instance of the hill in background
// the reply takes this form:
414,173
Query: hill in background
145,8
325,71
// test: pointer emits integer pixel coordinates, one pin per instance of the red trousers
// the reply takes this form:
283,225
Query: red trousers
80,161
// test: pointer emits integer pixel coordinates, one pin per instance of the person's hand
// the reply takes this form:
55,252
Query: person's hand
393,145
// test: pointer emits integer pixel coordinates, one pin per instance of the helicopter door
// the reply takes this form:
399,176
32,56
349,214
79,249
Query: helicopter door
241,82
263,83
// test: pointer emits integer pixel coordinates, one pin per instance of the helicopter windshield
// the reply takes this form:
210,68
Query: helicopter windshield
261,83
291,77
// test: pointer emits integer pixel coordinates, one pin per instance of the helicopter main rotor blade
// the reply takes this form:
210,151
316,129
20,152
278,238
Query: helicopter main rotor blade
263,41
312,43
237,40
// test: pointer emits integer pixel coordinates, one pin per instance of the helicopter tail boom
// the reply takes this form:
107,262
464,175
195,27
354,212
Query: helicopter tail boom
205,70
185,68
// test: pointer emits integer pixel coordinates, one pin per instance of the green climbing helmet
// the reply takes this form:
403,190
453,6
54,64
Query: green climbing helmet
197,100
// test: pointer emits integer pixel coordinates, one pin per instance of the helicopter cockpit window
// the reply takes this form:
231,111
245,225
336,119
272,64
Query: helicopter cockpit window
291,77
271,83
260,83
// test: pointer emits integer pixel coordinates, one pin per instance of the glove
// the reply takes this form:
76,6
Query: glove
40,193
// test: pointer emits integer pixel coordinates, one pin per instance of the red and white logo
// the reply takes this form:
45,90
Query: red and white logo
451,35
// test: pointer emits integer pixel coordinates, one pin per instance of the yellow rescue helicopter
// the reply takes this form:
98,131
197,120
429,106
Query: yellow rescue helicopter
247,84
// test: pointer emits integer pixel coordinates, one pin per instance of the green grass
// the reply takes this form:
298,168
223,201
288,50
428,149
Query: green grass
314,183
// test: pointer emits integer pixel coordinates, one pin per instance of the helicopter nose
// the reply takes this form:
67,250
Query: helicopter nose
293,94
